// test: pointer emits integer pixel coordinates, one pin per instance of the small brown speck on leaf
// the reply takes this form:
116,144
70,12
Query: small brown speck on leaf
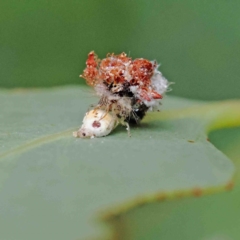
140,202
180,194
191,141
197,192
161,197
229,186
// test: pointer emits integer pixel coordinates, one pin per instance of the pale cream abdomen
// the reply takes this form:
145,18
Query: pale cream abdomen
96,123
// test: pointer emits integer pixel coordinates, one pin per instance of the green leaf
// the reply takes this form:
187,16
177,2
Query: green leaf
212,217
53,186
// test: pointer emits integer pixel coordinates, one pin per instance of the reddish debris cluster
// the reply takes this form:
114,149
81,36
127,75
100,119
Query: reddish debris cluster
112,68
117,70
126,87
91,71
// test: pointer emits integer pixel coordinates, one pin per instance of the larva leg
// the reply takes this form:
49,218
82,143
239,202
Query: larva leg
127,127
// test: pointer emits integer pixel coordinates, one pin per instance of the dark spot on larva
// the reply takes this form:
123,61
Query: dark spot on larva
96,124
84,134
191,141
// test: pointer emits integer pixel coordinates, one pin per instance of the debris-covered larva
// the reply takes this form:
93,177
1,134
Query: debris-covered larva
127,89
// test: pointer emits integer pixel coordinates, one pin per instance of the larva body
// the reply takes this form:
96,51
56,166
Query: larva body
97,123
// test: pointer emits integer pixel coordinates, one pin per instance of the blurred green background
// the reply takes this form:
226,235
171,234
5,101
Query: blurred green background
45,43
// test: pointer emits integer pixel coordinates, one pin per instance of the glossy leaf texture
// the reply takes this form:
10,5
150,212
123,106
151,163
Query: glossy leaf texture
54,186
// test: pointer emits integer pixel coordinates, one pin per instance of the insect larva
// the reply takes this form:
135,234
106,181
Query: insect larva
96,123
127,89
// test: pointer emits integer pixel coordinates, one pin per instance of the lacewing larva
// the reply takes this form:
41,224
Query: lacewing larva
127,89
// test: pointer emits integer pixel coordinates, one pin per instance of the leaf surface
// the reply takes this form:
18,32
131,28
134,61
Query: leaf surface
212,217
53,185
